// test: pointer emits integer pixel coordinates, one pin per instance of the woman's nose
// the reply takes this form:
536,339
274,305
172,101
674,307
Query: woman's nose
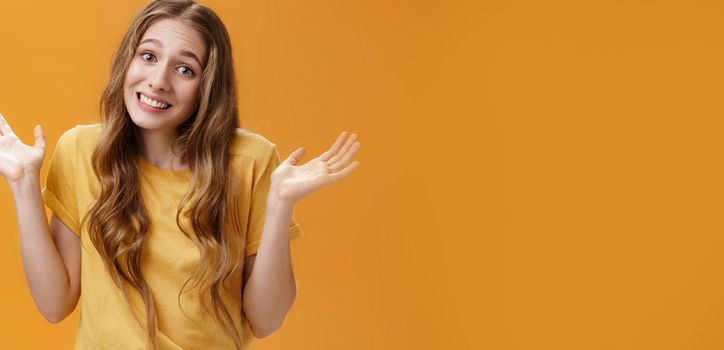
158,78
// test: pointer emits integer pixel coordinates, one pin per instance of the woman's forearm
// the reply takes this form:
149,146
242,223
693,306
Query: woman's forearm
271,288
44,269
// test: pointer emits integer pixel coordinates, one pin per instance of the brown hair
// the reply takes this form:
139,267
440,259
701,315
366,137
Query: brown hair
118,222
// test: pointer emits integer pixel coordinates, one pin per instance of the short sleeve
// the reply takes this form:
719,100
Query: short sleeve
259,194
59,193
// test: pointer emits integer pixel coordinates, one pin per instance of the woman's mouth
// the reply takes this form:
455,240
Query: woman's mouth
150,104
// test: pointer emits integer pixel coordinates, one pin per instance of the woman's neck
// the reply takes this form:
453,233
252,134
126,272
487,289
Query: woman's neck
156,148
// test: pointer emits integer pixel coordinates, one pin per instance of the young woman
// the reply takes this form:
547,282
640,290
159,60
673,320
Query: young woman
175,222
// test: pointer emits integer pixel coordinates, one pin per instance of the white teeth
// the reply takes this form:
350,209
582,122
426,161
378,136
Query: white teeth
153,103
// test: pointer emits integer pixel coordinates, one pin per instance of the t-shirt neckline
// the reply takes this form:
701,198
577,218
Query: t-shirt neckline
172,174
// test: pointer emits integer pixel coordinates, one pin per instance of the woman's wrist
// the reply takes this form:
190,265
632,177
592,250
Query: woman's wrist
274,200
276,206
24,184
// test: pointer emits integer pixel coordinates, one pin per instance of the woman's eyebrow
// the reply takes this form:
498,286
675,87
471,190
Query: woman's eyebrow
185,53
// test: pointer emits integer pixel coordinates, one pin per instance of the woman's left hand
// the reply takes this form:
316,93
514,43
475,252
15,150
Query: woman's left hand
292,182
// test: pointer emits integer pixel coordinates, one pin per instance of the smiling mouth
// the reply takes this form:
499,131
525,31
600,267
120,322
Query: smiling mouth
152,103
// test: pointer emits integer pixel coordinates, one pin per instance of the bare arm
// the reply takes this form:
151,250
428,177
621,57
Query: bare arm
270,290
271,287
50,254
51,261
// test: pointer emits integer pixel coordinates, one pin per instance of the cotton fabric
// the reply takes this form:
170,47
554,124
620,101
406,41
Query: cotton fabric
169,258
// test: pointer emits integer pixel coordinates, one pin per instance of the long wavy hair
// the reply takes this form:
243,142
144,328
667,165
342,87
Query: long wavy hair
118,222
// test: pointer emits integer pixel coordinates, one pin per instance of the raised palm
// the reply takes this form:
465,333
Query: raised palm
292,182
16,158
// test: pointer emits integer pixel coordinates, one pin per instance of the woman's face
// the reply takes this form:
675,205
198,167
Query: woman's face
161,88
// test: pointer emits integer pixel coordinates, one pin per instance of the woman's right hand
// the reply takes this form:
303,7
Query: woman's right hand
16,158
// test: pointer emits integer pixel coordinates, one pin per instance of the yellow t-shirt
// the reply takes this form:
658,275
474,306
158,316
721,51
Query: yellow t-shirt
169,257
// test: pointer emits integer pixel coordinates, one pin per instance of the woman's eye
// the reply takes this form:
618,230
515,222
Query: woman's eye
185,71
147,57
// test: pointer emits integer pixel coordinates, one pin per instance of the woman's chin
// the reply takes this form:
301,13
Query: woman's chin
147,122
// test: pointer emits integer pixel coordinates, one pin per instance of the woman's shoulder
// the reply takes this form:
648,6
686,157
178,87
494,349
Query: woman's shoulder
83,131
80,135
248,143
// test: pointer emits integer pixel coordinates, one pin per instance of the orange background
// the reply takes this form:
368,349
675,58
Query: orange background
534,174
